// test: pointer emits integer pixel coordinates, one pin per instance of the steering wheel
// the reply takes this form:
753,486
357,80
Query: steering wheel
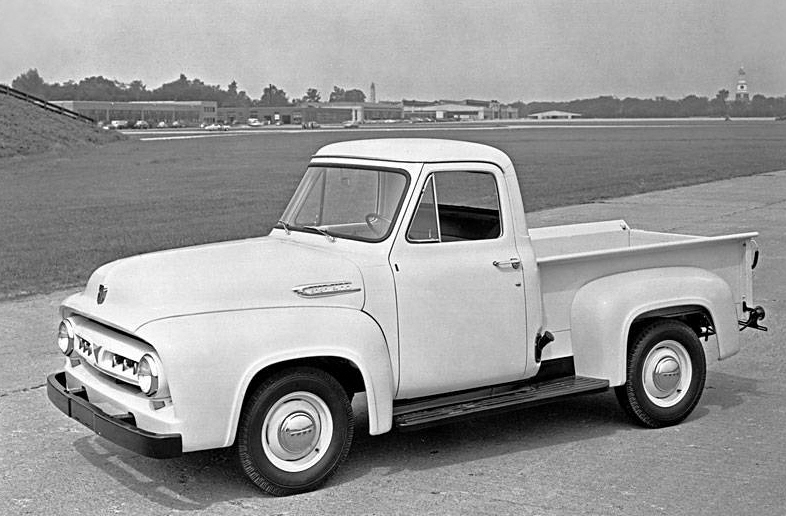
372,219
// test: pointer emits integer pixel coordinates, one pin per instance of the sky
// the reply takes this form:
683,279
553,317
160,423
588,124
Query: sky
506,50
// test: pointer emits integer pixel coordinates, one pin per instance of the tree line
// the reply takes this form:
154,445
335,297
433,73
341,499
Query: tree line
662,107
181,89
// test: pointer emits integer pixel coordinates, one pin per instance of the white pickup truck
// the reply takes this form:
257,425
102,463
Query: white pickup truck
403,269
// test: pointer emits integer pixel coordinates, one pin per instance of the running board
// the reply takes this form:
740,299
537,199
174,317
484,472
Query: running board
429,413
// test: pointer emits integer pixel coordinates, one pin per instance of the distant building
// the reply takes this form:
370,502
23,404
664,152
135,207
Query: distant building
373,94
445,110
186,112
742,94
207,112
554,115
337,112
320,112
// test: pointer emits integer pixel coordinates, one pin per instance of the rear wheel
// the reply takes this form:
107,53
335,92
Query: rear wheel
295,431
666,370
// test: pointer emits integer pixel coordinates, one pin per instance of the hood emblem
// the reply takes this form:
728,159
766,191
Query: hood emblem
332,288
102,290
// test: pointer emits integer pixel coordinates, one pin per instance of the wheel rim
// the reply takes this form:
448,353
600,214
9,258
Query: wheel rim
667,373
296,432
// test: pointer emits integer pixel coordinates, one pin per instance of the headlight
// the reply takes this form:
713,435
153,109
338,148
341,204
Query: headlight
147,374
65,337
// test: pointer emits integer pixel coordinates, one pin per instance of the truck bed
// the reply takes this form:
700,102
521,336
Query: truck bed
571,256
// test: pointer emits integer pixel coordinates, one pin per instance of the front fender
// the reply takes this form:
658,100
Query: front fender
210,359
603,311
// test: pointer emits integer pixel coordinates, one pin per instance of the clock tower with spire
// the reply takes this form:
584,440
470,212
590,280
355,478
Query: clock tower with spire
742,94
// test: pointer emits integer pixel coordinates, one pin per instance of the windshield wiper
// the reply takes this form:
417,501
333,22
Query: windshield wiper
284,225
322,231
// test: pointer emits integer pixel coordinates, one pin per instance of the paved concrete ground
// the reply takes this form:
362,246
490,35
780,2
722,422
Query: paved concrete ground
578,457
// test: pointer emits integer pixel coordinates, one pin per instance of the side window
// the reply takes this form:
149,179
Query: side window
424,226
456,206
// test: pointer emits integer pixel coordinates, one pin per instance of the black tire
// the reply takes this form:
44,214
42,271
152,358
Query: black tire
666,370
315,426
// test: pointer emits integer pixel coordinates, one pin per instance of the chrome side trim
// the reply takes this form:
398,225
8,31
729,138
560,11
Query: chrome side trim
332,288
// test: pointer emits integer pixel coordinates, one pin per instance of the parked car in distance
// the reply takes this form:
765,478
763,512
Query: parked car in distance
162,125
254,122
119,124
351,124
216,127
141,124
310,125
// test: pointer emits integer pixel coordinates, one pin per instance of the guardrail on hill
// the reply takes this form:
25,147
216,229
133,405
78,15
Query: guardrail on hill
44,104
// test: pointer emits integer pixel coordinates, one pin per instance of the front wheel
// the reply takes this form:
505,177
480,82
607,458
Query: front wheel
666,370
295,431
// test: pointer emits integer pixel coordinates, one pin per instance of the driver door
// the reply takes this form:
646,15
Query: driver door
460,295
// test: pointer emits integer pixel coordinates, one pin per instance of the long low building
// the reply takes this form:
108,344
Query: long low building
320,112
191,113
466,110
195,113
554,115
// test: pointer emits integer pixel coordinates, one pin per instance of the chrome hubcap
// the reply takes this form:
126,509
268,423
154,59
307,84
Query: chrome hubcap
296,432
667,373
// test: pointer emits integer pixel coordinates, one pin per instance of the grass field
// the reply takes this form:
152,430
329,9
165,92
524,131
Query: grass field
61,217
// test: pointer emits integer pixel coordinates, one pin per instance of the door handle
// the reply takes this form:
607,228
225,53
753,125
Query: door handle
513,262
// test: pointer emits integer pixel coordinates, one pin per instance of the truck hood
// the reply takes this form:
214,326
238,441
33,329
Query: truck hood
241,275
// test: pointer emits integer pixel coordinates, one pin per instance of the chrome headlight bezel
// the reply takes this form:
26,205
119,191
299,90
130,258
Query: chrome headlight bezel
66,336
149,375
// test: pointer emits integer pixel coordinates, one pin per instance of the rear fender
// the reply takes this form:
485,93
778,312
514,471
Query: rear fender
603,311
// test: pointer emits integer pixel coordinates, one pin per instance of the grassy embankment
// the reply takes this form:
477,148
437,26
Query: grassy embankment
62,216
27,129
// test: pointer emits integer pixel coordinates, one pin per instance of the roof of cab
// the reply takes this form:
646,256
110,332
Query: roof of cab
415,150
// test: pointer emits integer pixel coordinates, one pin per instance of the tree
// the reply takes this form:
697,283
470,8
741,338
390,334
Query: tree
229,98
337,95
175,90
232,97
342,95
354,95
273,96
718,104
521,106
694,106
243,99
99,88
312,95
66,91
32,83
137,90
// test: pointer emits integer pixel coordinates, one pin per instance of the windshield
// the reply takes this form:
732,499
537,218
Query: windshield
355,203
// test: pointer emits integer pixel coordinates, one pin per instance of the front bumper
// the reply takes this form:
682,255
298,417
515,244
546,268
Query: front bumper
121,430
